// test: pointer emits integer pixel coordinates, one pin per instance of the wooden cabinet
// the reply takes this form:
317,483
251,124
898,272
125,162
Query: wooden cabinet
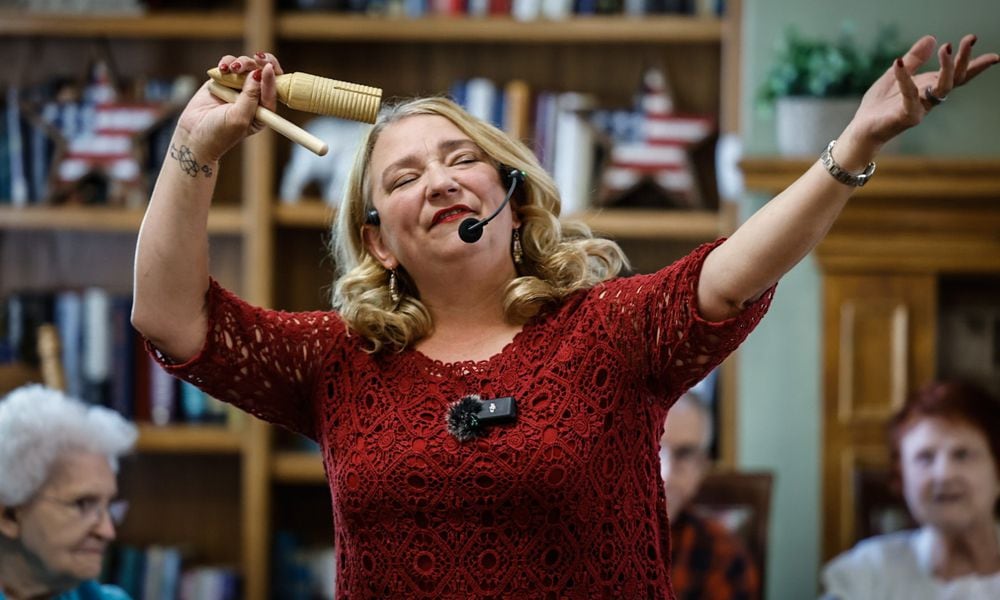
885,266
215,489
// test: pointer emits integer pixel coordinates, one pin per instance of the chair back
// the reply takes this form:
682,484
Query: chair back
877,508
741,501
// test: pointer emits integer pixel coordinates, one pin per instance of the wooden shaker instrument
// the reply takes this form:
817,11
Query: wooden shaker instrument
309,93
319,95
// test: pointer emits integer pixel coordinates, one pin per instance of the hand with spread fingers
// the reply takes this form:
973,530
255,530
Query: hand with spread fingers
902,97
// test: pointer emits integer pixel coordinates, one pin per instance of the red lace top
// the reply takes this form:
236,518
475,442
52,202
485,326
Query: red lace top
566,502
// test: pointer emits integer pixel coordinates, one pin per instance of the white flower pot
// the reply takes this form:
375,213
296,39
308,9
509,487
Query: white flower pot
806,125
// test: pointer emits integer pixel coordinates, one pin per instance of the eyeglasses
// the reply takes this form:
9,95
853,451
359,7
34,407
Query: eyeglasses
683,456
90,509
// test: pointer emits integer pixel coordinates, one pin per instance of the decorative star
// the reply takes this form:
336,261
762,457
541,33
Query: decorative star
657,162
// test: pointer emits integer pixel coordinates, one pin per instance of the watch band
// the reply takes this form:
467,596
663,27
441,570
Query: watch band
838,173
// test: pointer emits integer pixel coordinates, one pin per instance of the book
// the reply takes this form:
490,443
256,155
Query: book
69,322
96,359
122,376
516,120
162,394
573,167
15,149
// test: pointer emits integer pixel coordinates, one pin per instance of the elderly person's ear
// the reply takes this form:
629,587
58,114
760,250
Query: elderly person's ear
9,526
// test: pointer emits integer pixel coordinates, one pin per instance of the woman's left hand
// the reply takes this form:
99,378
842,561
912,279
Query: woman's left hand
901,98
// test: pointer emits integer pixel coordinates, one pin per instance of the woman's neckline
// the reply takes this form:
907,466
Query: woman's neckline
474,364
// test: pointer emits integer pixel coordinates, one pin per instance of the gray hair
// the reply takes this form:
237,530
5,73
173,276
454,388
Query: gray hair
38,424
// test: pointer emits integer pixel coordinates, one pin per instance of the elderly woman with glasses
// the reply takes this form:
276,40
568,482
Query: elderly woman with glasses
58,507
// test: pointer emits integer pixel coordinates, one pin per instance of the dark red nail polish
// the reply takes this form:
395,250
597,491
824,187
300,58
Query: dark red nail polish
947,48
261,55
224,68
256,74
899,63
973,42
237,66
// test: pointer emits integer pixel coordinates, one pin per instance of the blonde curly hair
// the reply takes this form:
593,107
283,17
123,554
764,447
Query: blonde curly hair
559,258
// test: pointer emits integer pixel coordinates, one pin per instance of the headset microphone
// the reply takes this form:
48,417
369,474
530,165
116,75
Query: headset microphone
471,229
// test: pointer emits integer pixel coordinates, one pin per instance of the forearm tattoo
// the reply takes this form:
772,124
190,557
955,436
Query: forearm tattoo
189,165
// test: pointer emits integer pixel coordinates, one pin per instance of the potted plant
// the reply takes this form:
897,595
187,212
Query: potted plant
815,85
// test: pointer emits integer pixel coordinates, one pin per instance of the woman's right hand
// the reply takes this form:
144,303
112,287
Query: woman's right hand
212,126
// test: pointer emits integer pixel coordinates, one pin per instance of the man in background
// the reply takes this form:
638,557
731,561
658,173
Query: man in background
707,560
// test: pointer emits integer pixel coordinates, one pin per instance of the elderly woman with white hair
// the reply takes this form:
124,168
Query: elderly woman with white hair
58,507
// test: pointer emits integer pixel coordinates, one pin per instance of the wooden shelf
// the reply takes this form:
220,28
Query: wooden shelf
183,25
641,224
103,219
619,223
297,467
596,30
895,177
307,214
189,439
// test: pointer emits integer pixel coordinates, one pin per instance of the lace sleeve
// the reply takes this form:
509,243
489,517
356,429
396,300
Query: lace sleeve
664,333
262,361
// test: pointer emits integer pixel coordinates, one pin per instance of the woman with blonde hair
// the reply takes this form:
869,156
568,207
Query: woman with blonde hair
555,258
488,398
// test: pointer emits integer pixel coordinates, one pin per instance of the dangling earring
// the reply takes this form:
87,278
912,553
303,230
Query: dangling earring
393,288
516,248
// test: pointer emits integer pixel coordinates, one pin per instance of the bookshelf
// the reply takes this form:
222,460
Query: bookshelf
228,478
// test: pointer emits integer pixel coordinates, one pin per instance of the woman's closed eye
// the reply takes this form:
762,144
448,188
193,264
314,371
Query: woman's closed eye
465,158
403,180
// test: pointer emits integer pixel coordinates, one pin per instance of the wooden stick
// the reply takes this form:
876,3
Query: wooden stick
274,121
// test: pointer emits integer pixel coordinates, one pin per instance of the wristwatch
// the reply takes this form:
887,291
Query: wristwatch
826,159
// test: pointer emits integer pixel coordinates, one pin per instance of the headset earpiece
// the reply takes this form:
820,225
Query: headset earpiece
509,174
372,218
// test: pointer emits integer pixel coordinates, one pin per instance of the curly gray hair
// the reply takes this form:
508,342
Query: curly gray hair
38,424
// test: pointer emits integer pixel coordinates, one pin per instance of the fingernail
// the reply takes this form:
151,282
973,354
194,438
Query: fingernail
973,42
261,55
236,66
899,63
256,74
947,48
224,68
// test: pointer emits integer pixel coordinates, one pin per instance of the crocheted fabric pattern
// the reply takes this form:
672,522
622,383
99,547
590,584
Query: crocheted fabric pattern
566,502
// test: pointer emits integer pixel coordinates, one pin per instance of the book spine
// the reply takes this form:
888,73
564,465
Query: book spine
96,363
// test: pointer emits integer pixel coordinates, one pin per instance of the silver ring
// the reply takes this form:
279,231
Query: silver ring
934,100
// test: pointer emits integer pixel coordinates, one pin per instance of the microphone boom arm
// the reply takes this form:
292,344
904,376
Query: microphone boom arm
471,230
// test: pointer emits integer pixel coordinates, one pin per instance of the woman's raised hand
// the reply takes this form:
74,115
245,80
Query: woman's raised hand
213,126
901,98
